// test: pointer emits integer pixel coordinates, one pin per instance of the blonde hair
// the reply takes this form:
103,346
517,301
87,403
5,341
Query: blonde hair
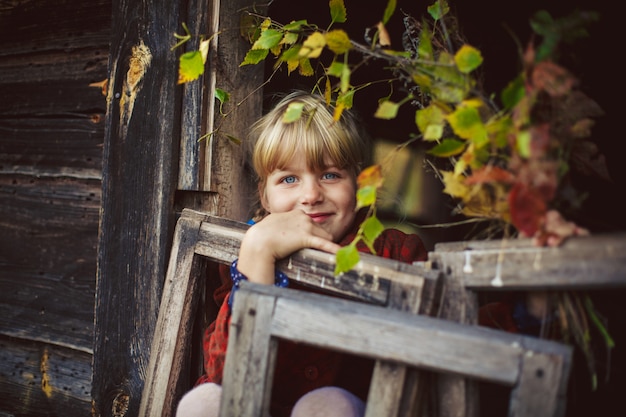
315,133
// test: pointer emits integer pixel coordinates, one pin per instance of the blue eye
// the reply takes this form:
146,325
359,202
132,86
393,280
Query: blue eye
330,176
289,180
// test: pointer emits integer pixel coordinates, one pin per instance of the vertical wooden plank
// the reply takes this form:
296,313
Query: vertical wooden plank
225,173
248,371
139,171
215,166
458,396
191,160
542,387
170,344
384,398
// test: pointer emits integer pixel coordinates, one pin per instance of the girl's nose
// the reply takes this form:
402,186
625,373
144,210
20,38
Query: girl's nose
311,192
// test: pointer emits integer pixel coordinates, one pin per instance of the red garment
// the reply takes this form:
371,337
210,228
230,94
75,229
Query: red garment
300,368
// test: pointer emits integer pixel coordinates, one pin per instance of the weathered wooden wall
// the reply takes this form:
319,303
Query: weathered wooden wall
51,135
140,173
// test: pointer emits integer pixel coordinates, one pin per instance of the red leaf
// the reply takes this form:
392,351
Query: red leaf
528,209
489,174
552,78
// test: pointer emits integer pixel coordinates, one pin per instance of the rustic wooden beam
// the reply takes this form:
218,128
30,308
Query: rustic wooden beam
537,370
584,262
137,217
212,158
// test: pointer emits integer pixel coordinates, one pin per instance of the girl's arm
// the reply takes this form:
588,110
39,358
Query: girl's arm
275,237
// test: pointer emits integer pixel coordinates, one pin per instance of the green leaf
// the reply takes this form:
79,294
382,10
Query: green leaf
389,10
294,25
468,59
269,38
337,11
425,47
467,124
190,66
498,130
387,110
448,148
254,56
341,71
335,69
365,196
513,92
372,228
347,257
523,143
290,38
222,96
292,31
438,9
291,54
346,99
430,121
293,112
450,85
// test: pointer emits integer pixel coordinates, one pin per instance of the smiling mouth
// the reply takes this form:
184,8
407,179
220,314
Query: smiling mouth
319,217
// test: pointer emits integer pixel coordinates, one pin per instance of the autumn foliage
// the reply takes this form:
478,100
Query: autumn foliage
508,161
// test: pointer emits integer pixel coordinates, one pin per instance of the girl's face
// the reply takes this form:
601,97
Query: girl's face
328,196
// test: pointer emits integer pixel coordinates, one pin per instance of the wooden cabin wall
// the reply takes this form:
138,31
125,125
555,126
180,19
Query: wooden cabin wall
147,121
51,135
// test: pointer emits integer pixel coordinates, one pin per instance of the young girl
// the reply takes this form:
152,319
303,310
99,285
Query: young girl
307,173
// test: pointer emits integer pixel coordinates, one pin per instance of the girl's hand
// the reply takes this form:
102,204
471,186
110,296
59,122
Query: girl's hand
275,237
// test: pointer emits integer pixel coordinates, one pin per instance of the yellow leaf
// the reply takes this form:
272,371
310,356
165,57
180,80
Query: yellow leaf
328,93
290,38
454,185
371,177
338,41
339,108
387,110
305,68
467,124
313,46
292,65
460,166
489,201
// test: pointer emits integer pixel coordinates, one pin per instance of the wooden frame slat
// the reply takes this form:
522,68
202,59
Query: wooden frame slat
596,261
198,235
529,365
